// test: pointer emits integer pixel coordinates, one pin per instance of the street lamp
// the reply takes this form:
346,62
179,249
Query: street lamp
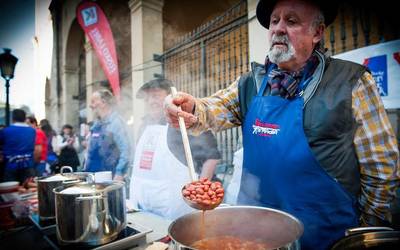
7,66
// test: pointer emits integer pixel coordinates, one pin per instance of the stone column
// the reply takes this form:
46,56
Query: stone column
258,43
52,107
69,103
147,39
89,79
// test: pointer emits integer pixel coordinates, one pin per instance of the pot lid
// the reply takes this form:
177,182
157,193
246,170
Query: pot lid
89,188
57,177
79,190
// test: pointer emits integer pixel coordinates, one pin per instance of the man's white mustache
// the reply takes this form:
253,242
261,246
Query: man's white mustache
280,39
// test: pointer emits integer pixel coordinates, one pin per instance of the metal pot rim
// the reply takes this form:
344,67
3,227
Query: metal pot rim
71,175
301,226
113,186
43,179
373,237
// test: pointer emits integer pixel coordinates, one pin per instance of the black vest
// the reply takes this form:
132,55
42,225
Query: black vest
328,119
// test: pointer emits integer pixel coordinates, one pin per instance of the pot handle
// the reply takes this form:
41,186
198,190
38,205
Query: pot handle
85,198
90,178
71,181
359,230
66,167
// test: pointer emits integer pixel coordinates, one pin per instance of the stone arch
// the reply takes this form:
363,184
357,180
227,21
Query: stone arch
73,77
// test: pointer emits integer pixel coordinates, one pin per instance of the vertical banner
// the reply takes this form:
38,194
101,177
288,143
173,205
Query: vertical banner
383,60
95,25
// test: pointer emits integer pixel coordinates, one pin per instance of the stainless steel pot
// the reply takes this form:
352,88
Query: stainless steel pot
90,214
369,238
276,229
46,186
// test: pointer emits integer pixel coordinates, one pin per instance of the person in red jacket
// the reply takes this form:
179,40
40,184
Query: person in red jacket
40,153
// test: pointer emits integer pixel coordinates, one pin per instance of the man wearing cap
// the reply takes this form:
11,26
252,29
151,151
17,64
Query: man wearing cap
317,141
160,169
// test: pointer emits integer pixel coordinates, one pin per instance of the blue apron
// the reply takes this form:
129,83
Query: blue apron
19,161
280,171
102,152
52,158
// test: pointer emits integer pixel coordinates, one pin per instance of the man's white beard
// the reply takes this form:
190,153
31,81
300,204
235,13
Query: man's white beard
280,55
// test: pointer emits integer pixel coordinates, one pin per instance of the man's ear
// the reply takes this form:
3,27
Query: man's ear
318,33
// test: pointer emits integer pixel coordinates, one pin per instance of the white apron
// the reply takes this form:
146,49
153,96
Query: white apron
232,190
157,176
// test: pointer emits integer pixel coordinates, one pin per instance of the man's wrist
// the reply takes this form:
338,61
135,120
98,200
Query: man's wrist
195,112
194,108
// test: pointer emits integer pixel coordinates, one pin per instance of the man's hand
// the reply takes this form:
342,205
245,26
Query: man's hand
181,105
70,141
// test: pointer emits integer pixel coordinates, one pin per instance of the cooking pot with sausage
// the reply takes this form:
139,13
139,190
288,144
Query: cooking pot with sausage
236,227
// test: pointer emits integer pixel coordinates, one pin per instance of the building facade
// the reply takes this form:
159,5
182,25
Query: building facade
201,46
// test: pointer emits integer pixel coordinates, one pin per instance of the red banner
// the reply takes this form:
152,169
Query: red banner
96,27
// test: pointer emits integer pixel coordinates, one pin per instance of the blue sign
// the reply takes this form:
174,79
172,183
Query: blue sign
378,67
89,16
383,60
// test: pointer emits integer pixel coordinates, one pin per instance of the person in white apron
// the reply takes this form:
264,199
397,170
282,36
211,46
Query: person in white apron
159,169
157,176
232,190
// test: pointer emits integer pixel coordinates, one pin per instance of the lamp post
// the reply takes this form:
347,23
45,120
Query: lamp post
7,66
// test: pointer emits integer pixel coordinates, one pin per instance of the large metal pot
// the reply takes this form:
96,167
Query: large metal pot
274,228
369,238
90,214
46,186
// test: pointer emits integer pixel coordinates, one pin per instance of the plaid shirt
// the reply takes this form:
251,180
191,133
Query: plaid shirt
374,141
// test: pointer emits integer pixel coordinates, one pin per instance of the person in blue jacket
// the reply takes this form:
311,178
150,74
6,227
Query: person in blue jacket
109,145
18,142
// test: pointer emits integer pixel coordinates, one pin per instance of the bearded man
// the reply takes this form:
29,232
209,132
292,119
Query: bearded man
317,140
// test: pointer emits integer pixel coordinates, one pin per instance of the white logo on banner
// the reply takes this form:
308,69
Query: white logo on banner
103,50
89,16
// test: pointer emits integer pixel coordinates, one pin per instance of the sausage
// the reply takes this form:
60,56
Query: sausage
204,192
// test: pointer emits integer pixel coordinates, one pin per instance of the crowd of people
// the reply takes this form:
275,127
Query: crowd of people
31,149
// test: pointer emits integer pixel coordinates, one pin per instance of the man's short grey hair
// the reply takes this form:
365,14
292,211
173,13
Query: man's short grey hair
318,20
106,96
